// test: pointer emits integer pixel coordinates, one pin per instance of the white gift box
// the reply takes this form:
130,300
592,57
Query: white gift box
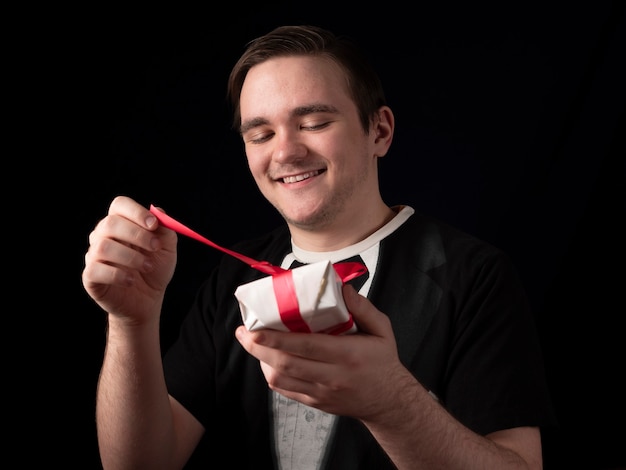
309,299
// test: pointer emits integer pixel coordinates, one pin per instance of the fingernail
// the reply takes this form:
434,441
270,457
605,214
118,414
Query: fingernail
155,244
129,280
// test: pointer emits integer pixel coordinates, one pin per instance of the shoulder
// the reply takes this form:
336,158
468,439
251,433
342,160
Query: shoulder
433,243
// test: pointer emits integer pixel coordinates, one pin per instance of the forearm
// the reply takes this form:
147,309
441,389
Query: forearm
133,415
417,432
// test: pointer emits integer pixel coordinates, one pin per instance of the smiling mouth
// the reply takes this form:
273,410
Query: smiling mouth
301,177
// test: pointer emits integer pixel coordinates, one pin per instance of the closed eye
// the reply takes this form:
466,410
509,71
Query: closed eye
315,127
258,138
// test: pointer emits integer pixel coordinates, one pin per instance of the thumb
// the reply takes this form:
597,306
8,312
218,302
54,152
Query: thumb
367,317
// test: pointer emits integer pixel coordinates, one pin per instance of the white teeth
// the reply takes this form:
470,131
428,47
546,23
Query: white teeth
304,176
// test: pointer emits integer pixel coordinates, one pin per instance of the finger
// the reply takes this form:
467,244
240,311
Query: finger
317,347
99,274
310,393
116,226
128,208
292,376
367,317
286,384
103,250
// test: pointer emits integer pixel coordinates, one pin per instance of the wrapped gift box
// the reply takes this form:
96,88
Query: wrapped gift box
304,299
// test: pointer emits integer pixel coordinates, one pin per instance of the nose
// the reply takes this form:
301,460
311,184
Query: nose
288,146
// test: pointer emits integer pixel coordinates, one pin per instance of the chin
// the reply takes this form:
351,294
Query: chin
309,222
307,216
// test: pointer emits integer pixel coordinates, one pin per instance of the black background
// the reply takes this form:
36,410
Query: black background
508,126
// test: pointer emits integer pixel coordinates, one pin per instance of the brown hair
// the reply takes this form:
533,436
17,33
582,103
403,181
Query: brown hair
363,81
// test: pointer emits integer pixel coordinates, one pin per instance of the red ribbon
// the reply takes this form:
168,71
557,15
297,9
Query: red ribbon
282,279
287,300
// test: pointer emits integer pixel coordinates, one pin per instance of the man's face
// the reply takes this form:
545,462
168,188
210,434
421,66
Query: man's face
305,145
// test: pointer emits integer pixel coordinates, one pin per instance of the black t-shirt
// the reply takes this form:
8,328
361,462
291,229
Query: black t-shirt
462,323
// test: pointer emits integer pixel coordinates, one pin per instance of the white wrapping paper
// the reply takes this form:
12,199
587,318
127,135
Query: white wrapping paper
320,301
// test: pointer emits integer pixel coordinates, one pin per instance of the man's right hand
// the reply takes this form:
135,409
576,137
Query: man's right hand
130,262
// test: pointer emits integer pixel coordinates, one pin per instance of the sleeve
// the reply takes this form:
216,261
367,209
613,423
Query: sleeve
496,377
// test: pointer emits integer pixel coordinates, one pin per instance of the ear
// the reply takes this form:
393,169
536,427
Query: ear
383,131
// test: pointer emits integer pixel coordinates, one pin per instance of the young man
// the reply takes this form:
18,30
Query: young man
445,369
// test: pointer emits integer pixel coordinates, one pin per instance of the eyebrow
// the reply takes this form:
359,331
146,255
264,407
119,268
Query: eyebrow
297,112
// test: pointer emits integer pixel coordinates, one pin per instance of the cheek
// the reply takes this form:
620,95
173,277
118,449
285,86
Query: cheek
256,162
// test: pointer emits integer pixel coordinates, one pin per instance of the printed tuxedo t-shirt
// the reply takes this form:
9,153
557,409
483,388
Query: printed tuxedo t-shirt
300,431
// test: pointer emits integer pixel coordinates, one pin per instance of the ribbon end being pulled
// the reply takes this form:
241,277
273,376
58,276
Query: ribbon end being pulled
268,268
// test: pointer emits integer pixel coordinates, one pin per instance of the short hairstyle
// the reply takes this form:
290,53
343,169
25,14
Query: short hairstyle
363,82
